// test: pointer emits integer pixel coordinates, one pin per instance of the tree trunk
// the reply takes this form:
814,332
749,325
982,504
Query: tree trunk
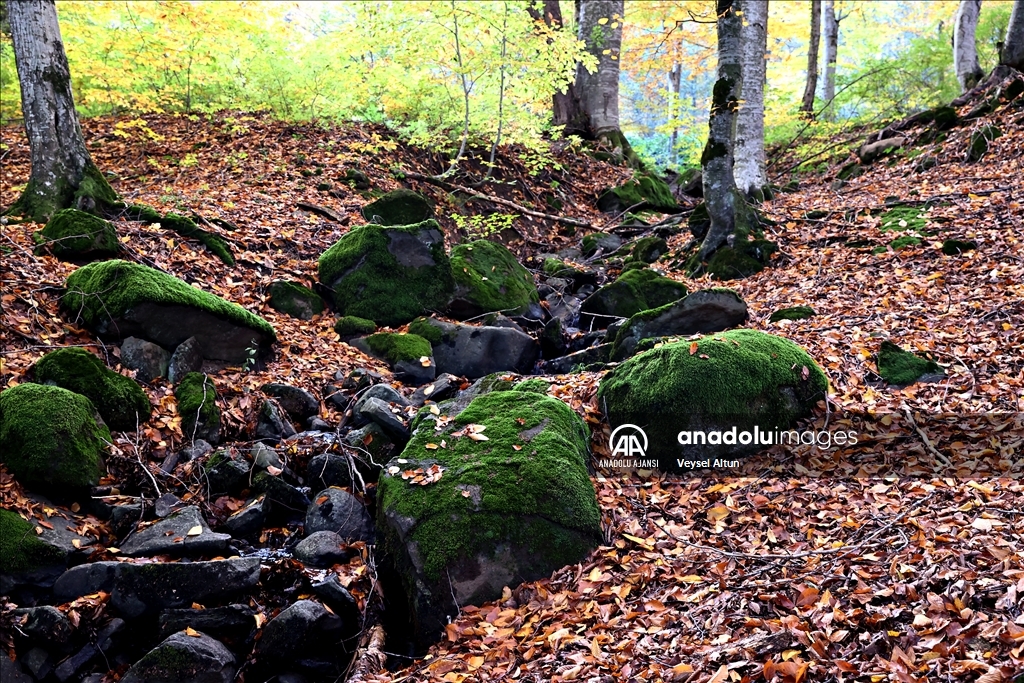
675,82
749,168
812,59
565,106
63,173
1012,53
831,30
720,193
965,53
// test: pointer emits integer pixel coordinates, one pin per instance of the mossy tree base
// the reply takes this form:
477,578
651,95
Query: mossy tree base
91,192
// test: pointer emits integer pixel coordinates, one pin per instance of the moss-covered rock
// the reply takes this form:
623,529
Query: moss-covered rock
50,437
401,207
642,192
535,385
186,227
904,241
647,249
351,325
957,247
389,275
120,400
21,552
634,291
394,347
897,366
197,406
295,300
513,502
118,299
489,278
903,219
74,235
735,379
606,242
980,140
742,260
792,313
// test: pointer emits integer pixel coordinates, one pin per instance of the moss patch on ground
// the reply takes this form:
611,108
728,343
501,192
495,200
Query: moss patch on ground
792,313
369,281
120,400
350,325
643,191
634,291
49,437
394,347
295,300
106,289
186,227
904,219
488,277
957,247
897,366
197,406
77,235
20,550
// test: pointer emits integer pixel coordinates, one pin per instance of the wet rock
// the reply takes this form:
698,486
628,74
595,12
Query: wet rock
263,456
272,423
150,361
44,624
322,549
300,636
227,473
339,511
443,387
84,580
577,360
470,351
369,444
247,522
147,588
298,403
176,535
229,622
379,412
183,658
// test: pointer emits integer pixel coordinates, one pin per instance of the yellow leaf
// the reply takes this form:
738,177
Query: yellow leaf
602,21
691,578
434,410
195,531
431,446
189,631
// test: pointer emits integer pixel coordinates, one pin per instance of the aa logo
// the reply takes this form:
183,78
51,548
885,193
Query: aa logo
628,441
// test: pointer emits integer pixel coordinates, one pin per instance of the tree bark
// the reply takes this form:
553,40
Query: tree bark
565,106
807,106
63,173
720,193
965,52
1012,53
831,30
749,167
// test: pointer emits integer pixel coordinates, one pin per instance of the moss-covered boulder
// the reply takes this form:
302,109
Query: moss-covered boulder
197,406
389,275
489,278
118,299
409,355
646,250
120,400
642,192
509,500
792,313
744,259
900,367
24,557
350,325
607,243
401,207
295,300
697,403
634,291
51,437
74,235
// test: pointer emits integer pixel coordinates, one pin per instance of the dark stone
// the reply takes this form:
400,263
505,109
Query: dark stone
553,340
329,469
75,663
564,307
605,242
337,597
170,536
188,357
182,658
166,504
247,522
379,412
339,511
11,671
444,386
281,493
579,359
198,449
298,631
317,425
294,299
150,361
231,621
400,207
226,474
44,624
272,423
146,588
322,549
46,559
298,403
85,579
263,456
473,352
384,392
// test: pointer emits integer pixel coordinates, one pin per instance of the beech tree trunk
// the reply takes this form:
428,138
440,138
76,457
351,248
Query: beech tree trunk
749,166
63,173
720,193
807,106
1012,53
565,106
830,27
965,52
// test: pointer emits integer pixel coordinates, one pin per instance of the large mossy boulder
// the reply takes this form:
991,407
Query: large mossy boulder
120,400
509,500
389,275
489,278
118,299
295,300
634,291
197,406
690,400
51,437
75,235
401,207
642,192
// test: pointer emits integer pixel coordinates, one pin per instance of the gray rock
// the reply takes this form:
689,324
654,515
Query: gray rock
231,621
148,588
564,307
444,386
171,536
198,449
188,357
284,496
318,425
49,564
84,580
263,456
383,392
150,361
339,511
330,469
75,663
566,364
167,504
272,423
322,549
298,403
38,661
182,658
298,629
413,372
44,624
707,310
379,412
473,352
337,597
247,522
226,473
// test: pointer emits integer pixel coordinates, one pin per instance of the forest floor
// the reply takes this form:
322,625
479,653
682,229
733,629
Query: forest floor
842,576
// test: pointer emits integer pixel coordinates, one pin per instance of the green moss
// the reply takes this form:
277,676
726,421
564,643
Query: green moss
141,212
553,267
980,140
732,264
792,313
120,400
351,325
108,289
197,405
634,291
187,228
395,347
401,207
41,200
295,300
535,385
850,171
897,366
644,190
539,496
370,283
904,219
49,436
957,247
422,327
699,221
944,118
74,234
648,249
20,550
489,278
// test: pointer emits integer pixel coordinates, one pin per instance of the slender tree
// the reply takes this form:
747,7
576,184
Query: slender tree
1012,53
63,173
749,167
965,52
830,19
811,87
